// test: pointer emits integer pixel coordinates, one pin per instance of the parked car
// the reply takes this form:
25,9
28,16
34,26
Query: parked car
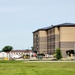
40,56
16,56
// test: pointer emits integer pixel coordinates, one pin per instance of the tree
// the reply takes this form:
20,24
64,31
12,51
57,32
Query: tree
7,48
32,48
58,54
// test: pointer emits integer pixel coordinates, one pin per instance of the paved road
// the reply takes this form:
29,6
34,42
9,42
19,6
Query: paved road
49,61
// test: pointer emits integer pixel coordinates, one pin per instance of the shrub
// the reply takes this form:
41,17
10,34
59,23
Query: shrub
58,54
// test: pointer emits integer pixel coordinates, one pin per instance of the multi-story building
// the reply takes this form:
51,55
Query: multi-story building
48,39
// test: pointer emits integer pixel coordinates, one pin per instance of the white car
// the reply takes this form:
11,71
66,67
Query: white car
16,56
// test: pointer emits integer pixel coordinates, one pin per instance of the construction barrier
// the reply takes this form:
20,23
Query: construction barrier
5,58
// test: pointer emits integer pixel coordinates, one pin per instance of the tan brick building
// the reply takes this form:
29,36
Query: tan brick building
47,40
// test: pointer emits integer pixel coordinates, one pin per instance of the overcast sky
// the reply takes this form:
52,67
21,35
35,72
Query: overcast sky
19,18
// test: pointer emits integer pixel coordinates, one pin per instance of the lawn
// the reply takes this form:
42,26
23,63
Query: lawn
36,68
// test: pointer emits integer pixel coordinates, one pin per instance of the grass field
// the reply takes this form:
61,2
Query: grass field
36,68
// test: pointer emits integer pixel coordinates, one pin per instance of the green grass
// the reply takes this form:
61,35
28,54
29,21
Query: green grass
36,68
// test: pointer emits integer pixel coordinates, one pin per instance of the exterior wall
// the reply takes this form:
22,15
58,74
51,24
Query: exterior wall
51,41
3,54
36,41
57,37
67,39
48,42
40,41
17,53
43,41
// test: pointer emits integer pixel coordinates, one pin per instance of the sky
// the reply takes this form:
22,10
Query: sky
19,18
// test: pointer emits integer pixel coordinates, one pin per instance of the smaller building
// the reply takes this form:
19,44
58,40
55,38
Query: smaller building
3,54
15,52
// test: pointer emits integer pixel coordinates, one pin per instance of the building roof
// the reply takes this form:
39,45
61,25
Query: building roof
26,51
44,28
21,50
66,24
59,25
47,27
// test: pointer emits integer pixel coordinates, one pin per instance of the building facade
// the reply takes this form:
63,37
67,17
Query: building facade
48,39
20,52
